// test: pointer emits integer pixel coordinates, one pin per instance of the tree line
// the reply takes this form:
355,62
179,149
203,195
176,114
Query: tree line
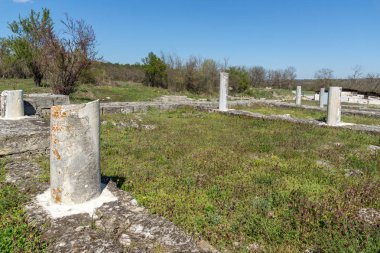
201,75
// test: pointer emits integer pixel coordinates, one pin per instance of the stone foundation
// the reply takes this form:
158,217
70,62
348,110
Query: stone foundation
29,135
39,104
118,226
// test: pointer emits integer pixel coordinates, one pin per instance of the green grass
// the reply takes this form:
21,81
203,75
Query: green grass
310,114
26,85
15,234
235,181
123,92
267,93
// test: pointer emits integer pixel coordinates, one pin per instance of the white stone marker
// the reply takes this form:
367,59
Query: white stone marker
12,104
321,94
298,95
334,107
74,153
223,91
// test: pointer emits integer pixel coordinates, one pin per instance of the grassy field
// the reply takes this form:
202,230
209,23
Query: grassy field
15,234
231,181
309,114
237,181
122,92
268,93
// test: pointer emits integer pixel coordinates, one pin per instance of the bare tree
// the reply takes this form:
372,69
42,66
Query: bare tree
373,80
70,54
225,63
274,78
192,76
209,75
357,72
175,71
324,76
257,76
355,78
288,77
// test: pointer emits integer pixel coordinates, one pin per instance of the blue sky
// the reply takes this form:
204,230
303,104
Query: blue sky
306,34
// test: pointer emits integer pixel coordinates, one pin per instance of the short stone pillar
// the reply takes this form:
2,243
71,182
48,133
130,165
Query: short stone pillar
334,107
12,104
75,153
223,91
321,94
298,95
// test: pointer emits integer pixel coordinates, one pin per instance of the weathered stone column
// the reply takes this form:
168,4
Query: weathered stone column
12,104
223,91
298,95
321,95
75,153
334,107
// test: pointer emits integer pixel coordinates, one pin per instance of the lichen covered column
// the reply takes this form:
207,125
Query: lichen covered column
12,104
321,95
223,91
298,95
334,106
75,153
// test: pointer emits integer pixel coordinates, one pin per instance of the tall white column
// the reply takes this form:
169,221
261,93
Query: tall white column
321,96
75,153
298,95
223,91
334,106
12,104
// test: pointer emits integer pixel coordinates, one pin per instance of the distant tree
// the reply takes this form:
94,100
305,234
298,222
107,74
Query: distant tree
192,74
29,41
209,75
324,76
373,82
238,79
257,76
175,72
155,71
274,78
288,77
355,78
70,55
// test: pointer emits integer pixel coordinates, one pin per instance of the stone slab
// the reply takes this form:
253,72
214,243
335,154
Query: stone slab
39,103
23,135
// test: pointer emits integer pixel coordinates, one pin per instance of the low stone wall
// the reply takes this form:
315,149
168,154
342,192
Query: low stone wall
357,127
128,107
39,104
367,112
24,135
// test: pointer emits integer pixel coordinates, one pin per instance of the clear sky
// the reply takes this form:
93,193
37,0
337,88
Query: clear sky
306,34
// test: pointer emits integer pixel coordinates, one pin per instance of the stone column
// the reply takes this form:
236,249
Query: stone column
12,104
321,95
334,107
75,153
298,95
223,91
